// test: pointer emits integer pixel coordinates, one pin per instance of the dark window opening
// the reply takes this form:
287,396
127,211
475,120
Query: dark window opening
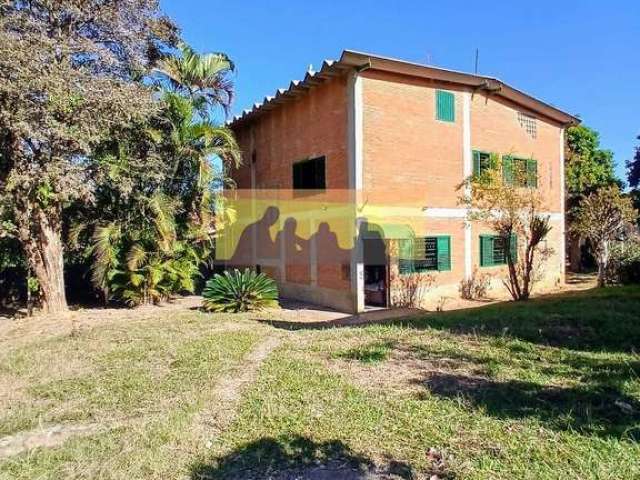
345,269
499,251
309,174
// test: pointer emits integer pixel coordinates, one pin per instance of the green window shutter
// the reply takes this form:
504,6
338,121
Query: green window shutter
507,169
444,253
405,256
445,106
486,250
513,245
493,161
532,173
476,163
405,266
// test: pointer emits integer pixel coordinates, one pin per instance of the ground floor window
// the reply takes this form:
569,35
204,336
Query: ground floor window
424,254
493,250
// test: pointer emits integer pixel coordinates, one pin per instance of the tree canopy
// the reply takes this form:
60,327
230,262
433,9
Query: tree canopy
107,131
603,216
633,168
589,167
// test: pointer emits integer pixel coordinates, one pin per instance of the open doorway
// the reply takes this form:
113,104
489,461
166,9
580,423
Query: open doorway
376,272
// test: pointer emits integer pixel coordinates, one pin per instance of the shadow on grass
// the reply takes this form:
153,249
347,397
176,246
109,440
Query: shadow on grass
300,458
594,410
376,317
371,353
597,319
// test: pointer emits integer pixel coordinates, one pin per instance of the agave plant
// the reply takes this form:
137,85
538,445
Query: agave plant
238,291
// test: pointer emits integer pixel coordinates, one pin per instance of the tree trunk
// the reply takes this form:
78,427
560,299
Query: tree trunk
601,274
41,237
603,261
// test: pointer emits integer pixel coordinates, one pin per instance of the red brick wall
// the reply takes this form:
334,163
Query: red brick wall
495,128
405,149
313,125
412,159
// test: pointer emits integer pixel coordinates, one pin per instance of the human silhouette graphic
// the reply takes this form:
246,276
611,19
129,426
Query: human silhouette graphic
258,231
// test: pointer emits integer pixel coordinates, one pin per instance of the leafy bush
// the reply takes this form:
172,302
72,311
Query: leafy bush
624,265
475,287
408,290
145,261
238,291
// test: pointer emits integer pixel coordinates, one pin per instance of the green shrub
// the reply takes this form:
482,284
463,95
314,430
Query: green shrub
238,291
624,265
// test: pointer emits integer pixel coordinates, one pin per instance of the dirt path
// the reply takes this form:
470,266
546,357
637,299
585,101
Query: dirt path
51,436
222,409
215,418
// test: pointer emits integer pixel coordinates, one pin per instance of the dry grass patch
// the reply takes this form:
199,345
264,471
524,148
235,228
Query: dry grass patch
140,383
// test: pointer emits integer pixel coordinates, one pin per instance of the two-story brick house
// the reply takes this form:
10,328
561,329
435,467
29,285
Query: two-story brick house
365,158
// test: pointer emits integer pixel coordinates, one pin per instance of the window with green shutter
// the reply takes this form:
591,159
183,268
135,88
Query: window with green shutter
507,169
445,106
444,253
494,248
424,254
522,172
482,162
532,173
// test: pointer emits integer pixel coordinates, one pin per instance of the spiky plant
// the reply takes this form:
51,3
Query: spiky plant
238,291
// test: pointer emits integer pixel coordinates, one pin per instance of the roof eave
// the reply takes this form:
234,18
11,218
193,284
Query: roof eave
352,60
359,59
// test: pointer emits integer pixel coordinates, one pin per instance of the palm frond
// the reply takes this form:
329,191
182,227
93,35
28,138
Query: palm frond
136,256
105,250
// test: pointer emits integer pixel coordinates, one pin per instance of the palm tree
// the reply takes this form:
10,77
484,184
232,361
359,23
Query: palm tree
192,146
165,230
202,77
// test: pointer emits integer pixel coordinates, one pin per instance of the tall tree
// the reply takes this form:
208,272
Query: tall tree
633,169
156,211
588,167
68,71
602,217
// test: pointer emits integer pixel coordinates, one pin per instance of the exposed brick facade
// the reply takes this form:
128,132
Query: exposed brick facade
409,160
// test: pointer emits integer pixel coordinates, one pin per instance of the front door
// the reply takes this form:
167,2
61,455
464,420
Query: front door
376,263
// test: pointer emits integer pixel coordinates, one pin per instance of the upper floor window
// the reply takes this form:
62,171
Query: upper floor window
309,174
482,162
424,254
445,106
522,172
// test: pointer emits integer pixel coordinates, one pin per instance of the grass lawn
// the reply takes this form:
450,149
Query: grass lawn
543,390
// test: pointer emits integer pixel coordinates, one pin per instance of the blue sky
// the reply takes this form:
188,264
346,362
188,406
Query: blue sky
582,56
